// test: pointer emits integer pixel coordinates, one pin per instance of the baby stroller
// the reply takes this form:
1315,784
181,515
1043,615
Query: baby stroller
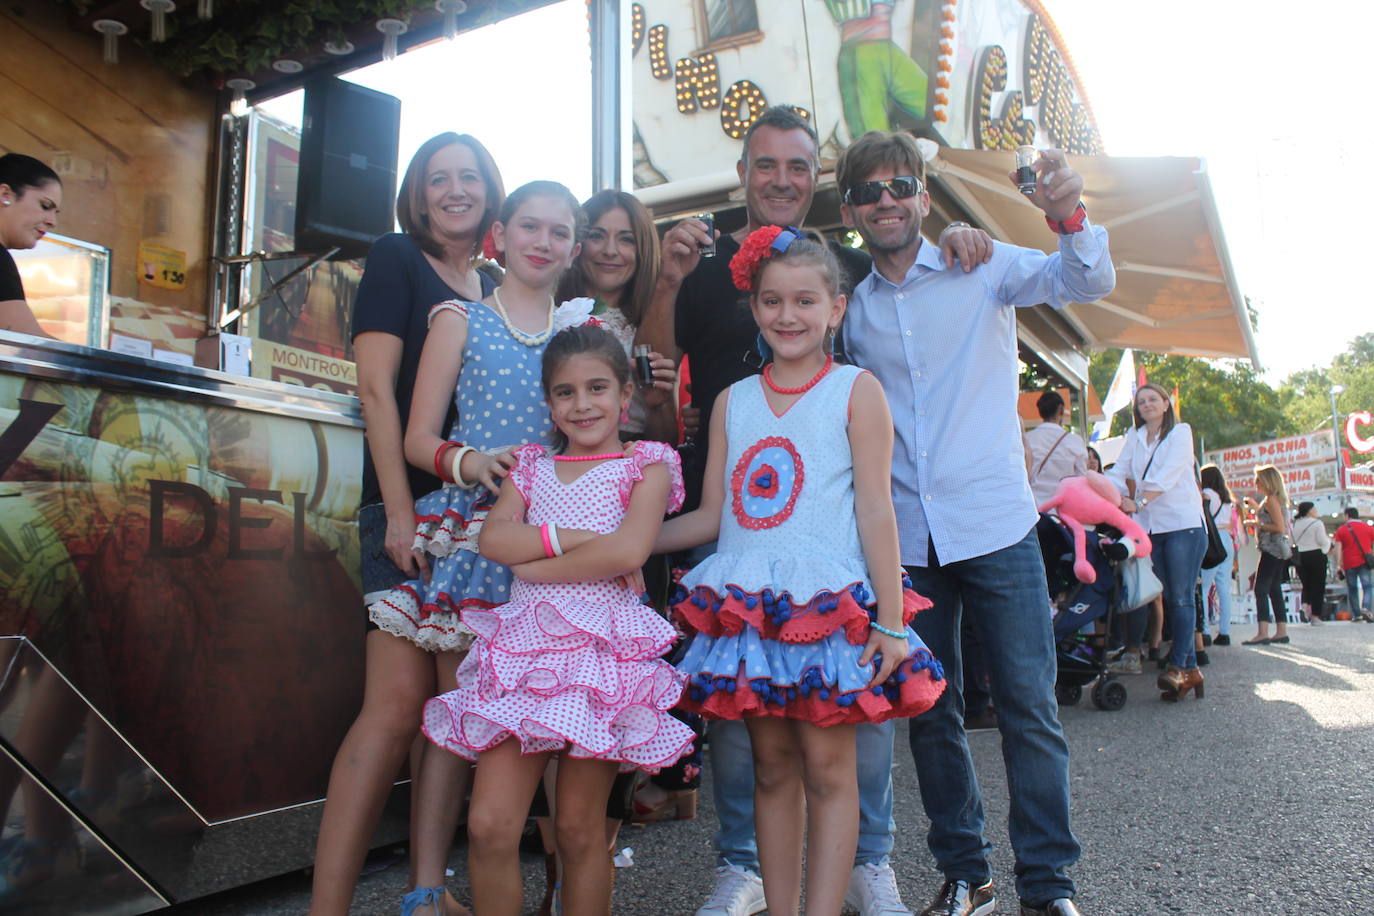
1081,659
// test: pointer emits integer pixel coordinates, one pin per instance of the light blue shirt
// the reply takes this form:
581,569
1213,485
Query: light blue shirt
943,344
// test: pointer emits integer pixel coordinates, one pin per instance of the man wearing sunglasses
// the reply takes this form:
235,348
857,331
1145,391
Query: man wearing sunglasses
943,344
697,310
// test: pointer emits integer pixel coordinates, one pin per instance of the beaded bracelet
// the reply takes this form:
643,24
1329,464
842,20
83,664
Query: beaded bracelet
895,634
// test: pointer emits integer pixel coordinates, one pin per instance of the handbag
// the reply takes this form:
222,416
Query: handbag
1139,584
1216,547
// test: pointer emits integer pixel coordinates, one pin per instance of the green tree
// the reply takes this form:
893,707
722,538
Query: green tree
1306,393
1225,401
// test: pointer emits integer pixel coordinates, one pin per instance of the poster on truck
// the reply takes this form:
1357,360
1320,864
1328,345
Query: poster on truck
191,568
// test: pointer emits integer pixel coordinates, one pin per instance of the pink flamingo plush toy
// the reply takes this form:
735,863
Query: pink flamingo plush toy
1089,500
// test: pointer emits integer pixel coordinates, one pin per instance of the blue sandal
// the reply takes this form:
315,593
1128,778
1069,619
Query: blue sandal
424,896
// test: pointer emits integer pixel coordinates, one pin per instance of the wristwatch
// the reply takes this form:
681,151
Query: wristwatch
1142,501
1071,225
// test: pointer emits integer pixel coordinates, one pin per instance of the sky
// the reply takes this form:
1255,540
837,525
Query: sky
1271,94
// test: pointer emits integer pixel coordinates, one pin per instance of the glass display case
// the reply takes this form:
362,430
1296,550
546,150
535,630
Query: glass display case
67,284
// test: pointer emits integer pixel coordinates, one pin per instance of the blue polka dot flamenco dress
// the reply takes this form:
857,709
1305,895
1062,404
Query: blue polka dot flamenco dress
500,404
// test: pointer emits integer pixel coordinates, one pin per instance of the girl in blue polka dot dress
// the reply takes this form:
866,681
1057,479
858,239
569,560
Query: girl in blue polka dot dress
799,621
480,360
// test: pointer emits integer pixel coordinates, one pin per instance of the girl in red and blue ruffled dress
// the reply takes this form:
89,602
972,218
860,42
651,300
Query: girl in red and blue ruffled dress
800,620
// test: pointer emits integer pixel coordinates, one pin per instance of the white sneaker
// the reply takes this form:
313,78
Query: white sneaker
873,891
739,892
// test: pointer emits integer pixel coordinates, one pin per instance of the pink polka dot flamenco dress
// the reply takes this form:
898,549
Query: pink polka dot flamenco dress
573,668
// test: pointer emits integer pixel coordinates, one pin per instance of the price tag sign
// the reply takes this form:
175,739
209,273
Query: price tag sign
160,266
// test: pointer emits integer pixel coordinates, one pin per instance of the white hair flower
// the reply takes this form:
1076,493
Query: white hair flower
573,313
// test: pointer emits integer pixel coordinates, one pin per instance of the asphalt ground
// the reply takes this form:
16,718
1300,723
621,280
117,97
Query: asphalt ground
1255,801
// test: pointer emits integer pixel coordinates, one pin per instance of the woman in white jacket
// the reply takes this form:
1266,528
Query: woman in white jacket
1155,471
1312,544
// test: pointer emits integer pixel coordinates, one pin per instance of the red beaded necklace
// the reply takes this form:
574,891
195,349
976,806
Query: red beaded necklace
800,389
601,457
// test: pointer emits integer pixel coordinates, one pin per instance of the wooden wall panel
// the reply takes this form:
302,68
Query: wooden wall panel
133,144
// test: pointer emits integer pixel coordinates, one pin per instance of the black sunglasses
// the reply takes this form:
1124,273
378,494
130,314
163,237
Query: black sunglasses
870,192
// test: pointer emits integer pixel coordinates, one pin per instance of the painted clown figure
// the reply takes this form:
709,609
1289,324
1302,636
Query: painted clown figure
873,72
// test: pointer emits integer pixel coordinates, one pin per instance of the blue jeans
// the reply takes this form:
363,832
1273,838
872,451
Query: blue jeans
1220,576
1177,561
731,762
1357,582
1008,604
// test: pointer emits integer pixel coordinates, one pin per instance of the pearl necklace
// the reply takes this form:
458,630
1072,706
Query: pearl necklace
526,338
800,389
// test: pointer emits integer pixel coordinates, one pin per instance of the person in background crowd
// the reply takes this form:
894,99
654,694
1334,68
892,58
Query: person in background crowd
697,310
1276,549
1094,460
1155,471
1056,452
1354,545
449,197
1221,506
30,199
1312,545
943,343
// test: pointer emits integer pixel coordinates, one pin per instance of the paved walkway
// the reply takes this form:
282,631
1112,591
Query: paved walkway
1256,801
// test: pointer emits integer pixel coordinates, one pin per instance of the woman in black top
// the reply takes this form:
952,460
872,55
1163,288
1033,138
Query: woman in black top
449,197
30,199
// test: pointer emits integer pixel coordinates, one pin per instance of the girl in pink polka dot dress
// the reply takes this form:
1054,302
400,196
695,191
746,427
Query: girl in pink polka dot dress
570,666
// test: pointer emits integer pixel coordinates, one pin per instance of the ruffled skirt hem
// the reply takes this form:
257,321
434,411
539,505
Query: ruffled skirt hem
909,691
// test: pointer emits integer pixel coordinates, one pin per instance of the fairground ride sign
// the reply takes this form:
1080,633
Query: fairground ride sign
1360,478
1241,460
1359,431
973,74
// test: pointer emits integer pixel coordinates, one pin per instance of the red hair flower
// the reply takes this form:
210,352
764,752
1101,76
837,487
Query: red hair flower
489,250
756,247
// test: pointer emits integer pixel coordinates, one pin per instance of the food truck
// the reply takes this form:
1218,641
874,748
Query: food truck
181,636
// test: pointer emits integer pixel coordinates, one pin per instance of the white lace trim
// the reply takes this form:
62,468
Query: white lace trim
398,614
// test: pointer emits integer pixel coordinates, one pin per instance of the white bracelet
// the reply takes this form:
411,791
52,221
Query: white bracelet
553,540
457,466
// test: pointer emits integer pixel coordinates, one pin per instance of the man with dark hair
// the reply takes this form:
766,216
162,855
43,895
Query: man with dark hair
1055,452
943,344
1354,543
697,310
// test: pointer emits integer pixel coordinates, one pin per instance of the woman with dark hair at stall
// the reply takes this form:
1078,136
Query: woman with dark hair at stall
1312,544
618,267
448,199
1220,504
1155,471
30,199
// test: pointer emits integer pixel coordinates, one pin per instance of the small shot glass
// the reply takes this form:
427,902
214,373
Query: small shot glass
709,250
644,370
1025,171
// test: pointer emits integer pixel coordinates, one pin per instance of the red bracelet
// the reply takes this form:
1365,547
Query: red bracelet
439,460
1072,224
548,544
